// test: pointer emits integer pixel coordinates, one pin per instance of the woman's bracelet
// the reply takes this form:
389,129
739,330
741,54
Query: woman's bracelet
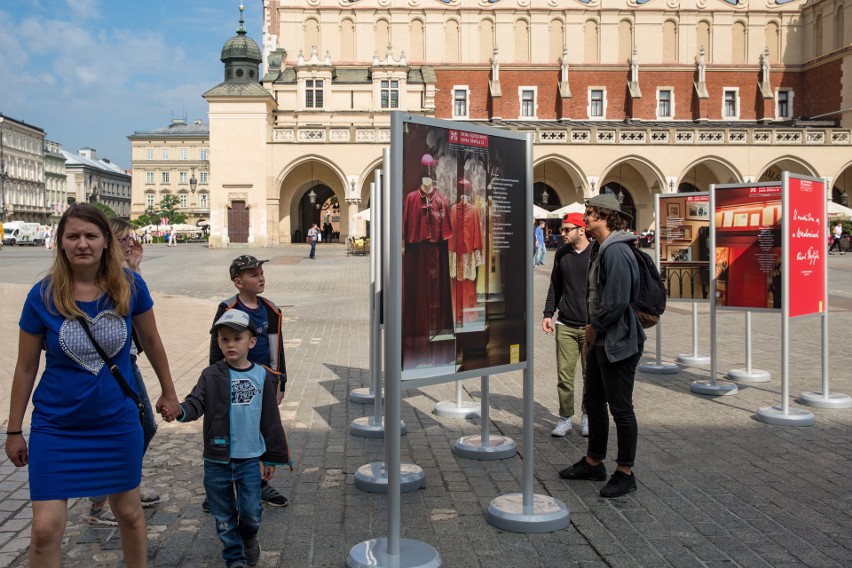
18,433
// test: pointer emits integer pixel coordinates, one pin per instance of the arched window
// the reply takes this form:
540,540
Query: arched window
557,40
486,41
772,42
839,32
312,36
383,38
417,51
818,36
347,40
703,33
669,41
590,42
522,41
625,41
738,43
452,42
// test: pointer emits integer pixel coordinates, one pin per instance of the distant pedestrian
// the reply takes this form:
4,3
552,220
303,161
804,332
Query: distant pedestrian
85,435
540,248
614,343
173,237
837,235
567,293
47,237
313,237
243,437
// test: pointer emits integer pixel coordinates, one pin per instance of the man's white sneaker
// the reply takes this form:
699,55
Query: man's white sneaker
584,425
562,427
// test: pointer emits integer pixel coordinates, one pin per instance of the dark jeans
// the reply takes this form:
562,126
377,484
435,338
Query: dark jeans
149,424
313,247
233,490
611,384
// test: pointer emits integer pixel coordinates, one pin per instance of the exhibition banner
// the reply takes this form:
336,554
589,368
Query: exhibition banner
464,193
806,245
683,235
747,226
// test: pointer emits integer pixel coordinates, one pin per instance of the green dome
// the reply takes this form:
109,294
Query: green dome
241,47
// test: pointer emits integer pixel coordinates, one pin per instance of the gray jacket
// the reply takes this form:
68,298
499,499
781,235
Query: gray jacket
616,286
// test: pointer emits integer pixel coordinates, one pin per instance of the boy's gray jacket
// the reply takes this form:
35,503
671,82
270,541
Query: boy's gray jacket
211,396
275,334
617,286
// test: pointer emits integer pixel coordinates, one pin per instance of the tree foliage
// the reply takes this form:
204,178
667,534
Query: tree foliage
168,208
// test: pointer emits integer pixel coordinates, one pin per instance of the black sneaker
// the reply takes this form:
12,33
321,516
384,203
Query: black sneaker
270,496
582,470
251,548
206,505
619,484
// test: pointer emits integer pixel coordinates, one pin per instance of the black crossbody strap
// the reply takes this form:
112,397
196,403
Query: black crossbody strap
113,368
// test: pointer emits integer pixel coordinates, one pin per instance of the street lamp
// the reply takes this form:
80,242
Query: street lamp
312,196
193,183
844,199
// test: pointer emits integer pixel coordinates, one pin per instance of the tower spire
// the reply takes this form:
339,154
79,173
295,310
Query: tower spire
242,28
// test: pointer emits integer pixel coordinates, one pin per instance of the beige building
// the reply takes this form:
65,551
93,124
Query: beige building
55,181
97,180
21,172
633,98
172,160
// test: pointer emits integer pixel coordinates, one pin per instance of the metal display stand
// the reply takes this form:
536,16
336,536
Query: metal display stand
713,387
694,358
393,551
457,408
658,367
526,512
824,398
748,375
485,447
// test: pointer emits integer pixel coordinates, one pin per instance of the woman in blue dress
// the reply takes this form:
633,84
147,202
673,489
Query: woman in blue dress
85,434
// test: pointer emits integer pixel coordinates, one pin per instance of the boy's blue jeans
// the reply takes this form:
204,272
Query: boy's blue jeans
233,490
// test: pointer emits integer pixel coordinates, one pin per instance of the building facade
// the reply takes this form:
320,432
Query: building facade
622,96
172,160
21,172
55,181
97,180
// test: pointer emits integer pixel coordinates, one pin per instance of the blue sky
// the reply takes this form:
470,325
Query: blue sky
92,72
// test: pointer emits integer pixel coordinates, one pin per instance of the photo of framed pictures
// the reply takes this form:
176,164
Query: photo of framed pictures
673,210
677,253
699,211
686,233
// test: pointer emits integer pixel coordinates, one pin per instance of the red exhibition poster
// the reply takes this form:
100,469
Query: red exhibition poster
806,254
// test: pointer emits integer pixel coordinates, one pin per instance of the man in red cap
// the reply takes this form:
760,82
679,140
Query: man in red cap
567,294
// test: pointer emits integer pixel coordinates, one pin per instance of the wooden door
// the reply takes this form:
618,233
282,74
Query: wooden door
238,222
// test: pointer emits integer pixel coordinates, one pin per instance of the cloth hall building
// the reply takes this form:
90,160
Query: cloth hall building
624,96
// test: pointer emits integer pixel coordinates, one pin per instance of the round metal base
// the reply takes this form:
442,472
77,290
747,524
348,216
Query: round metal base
661,369
719,389
453,409
362,396
794,417
369,427
412,554
373,478
833,400
743,376
498,448
548,514
693,360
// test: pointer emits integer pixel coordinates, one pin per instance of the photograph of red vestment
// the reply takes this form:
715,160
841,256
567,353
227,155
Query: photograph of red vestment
426,300
465,256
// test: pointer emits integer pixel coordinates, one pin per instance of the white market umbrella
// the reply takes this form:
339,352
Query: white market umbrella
576,207
363,215
838,210
540,212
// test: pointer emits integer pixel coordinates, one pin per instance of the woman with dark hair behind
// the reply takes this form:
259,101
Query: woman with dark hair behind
85,434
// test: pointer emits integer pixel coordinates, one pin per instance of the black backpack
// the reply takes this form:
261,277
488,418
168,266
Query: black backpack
651,303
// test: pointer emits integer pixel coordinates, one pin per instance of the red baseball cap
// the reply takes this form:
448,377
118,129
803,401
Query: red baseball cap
575,219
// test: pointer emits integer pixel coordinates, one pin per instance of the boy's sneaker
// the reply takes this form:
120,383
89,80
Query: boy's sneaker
270,496
584,425
562,427
619,484
251,548
583,470
237,564
102,516
206,505
148,497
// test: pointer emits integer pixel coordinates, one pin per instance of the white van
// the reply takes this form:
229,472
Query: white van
22,233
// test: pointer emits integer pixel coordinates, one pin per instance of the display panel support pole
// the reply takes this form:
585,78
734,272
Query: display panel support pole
457,408
658,367
694,358
825,398
485,447
525,512
393,551
748,375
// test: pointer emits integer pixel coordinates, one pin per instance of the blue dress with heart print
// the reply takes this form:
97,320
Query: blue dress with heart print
85,437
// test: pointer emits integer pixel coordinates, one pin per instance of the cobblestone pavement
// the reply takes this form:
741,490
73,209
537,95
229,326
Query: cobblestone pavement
716,487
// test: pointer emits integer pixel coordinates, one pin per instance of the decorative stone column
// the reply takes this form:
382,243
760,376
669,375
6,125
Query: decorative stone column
353,203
